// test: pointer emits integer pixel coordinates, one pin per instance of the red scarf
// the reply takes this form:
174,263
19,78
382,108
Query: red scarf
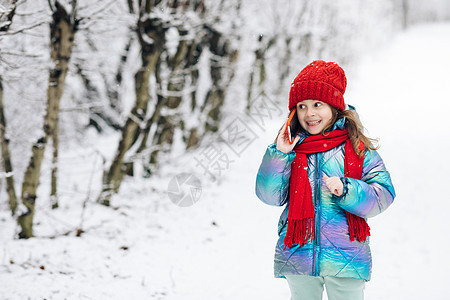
301,209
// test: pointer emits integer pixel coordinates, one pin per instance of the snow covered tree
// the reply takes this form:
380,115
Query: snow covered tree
150,30
6,17
6,156
62,35
173,36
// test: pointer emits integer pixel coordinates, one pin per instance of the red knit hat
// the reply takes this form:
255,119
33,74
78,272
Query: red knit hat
320,80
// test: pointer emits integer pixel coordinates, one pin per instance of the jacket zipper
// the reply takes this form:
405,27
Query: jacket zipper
317,218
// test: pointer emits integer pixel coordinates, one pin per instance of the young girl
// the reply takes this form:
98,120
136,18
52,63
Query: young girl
331,179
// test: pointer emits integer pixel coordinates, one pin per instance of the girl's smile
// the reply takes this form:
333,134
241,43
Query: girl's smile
314,115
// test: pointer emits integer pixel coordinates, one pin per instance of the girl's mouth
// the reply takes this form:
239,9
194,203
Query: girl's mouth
314,123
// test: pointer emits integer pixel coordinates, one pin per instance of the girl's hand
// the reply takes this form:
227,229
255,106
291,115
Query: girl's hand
283,142
334,184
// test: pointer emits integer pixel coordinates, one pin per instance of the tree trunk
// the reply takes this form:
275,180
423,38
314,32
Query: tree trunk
62,34
223,55
405,14
165,125
192,134
149,30
108,114
6,157
54,183
113,93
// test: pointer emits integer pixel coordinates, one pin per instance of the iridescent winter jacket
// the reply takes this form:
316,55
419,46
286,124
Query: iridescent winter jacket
331,253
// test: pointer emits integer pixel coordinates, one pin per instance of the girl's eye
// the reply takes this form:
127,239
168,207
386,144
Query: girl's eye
301,106
317,104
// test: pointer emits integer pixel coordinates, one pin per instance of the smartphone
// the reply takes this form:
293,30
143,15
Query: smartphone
292,126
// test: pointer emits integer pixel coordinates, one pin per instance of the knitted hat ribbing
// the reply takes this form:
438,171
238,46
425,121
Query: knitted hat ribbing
320,80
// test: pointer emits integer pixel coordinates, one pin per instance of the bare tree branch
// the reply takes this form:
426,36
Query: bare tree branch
52,7
100,10
33,13
20,54
9,64
23,29
130,6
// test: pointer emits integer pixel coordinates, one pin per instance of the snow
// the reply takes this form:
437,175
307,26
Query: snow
222,246
401,97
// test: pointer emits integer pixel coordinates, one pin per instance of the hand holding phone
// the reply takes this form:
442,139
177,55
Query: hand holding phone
287,138
289,131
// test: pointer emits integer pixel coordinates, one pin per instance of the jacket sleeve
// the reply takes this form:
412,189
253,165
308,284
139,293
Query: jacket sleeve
272,181
371,195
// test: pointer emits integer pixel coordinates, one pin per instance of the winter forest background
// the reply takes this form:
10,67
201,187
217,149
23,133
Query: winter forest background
108,107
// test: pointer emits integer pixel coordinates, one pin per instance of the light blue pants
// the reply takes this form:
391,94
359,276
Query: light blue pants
305,287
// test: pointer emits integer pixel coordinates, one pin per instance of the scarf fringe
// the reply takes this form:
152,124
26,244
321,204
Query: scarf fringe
357,227
299,232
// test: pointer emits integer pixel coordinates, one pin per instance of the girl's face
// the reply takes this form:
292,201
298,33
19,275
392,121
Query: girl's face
314,115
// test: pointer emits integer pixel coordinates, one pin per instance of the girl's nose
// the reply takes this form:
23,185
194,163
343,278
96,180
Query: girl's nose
310,112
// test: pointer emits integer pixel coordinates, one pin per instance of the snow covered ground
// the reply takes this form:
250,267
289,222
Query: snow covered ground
222,246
